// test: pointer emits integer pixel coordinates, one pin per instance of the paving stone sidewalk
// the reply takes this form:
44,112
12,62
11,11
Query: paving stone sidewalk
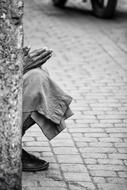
89,63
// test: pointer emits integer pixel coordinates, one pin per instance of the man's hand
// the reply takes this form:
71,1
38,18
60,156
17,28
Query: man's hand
35,58
40,56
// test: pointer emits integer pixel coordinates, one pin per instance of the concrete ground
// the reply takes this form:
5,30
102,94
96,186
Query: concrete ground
90,64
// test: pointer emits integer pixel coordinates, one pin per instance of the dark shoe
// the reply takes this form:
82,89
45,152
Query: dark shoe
31,163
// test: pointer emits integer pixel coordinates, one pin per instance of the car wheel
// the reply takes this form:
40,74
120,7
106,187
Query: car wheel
104,8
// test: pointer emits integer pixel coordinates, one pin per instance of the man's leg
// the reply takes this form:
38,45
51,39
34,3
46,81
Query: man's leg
31,163
27,123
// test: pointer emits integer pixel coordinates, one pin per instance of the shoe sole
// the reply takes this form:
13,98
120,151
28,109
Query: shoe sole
44,167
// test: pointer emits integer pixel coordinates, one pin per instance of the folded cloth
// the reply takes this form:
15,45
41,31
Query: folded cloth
47,103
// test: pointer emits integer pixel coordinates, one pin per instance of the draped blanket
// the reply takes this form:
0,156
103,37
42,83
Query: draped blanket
47,103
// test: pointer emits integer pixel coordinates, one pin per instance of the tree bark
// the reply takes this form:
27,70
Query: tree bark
11,67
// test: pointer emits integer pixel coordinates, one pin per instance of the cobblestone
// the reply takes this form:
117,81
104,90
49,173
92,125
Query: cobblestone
89,63
73,168
69,159
77,176
103,173
81,186
108,186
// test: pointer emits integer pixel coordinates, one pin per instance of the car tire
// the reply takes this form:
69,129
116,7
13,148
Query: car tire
59,3
102,10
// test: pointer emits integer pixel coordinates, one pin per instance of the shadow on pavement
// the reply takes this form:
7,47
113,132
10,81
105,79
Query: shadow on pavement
76,10
121,15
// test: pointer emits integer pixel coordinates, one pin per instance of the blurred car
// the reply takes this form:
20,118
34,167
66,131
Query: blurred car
101,8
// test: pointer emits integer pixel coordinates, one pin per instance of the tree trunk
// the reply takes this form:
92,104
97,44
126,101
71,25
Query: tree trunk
11,63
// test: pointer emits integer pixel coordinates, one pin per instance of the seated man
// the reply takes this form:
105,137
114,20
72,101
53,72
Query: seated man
44,103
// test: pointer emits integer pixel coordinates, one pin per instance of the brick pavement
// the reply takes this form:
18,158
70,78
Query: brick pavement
89,63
